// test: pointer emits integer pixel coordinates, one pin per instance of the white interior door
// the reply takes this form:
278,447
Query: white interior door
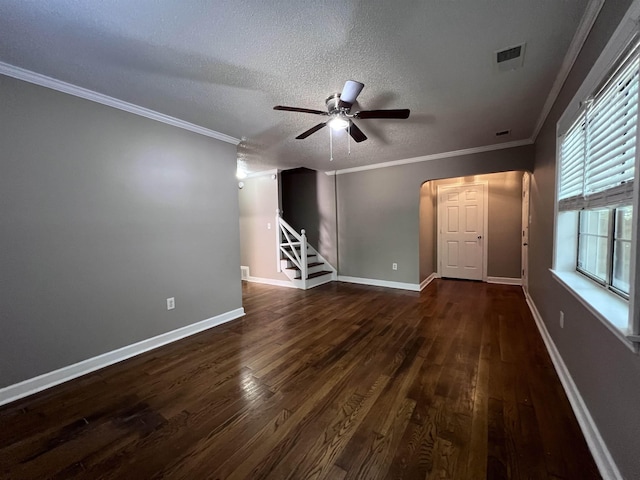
525,230
461,231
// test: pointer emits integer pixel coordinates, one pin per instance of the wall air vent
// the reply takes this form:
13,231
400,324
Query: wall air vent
509,58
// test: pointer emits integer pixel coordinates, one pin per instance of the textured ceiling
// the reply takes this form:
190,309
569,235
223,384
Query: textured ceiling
224,64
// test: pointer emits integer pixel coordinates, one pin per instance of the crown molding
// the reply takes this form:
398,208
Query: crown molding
64,87
435,156
584,27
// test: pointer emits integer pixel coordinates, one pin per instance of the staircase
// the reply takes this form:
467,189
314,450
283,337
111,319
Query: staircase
299,261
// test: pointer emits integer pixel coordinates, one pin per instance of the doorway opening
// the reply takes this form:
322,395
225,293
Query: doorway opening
454,212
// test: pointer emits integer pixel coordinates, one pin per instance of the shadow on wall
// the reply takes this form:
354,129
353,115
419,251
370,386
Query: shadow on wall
300,203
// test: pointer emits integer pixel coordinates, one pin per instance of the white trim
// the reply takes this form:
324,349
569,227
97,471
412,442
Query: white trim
64,87
428,280
64,374
435,156
525,224
270,281
584,27
607,467
504,280
414,287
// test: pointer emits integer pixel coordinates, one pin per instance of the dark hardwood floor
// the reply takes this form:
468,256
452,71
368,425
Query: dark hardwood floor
339,382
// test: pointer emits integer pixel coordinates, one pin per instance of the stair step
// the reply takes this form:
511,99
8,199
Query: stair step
284,257
309,265
314,275
318,274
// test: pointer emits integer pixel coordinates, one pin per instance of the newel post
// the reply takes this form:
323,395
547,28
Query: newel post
278,237
303,257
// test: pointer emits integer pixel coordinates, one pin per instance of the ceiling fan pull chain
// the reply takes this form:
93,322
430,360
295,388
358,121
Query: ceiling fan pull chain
331,144
349,138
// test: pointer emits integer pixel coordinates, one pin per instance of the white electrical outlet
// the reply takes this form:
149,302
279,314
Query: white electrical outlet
171,303
394,266
561,319
268,226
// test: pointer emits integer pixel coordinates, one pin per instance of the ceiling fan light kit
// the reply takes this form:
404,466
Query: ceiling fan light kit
339,110
338,122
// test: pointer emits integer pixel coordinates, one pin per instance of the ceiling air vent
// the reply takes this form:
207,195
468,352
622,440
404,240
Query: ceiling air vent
509,58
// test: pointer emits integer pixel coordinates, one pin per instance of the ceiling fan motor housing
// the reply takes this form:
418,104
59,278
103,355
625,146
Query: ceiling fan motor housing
332,104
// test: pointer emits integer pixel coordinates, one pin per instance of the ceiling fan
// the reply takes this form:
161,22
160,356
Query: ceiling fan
339,112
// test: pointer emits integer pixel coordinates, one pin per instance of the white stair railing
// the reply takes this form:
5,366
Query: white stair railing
288,242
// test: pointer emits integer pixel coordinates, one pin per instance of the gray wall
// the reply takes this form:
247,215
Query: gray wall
258,204
378,211
605,371
327,238
504,219
504,255
104,215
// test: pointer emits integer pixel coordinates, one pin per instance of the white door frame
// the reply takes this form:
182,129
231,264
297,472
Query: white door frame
526,223
485,223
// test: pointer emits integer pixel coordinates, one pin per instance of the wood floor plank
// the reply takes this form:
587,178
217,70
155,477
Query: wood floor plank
338,382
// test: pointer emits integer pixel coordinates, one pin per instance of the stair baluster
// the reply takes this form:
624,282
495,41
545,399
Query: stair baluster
303,254
294,249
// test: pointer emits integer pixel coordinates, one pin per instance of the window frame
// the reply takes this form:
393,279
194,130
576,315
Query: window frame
618,315
610,253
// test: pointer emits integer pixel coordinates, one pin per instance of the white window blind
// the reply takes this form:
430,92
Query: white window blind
597,154
572,155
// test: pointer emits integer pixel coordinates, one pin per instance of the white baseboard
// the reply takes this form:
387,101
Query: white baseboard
64,374
380,283
607,467
428,280
505,280
270,281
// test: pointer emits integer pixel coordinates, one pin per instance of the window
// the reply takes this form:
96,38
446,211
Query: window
597,167
596,171
604,247
593,244
622,249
